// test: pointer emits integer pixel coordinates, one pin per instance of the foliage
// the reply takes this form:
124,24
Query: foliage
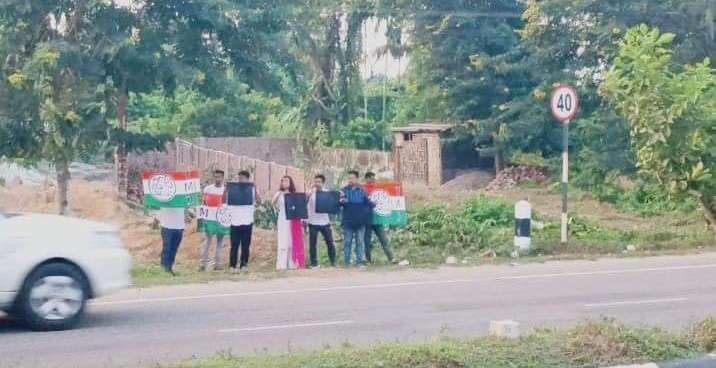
479,223
361,133
188,113
591,343
534,159
651,200
703,333
671,110
266,215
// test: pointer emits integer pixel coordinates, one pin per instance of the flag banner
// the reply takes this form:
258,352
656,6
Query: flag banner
171,190
389,201
215,220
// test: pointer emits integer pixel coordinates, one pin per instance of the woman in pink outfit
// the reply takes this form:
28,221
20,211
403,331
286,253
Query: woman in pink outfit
289,232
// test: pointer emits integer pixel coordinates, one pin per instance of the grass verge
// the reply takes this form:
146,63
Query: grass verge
590,344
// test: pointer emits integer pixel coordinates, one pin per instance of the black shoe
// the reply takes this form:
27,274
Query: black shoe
174,274
201,269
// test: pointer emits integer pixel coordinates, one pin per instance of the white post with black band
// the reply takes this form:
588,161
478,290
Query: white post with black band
523,225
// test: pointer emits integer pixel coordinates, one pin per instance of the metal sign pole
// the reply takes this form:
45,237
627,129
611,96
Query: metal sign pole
565,178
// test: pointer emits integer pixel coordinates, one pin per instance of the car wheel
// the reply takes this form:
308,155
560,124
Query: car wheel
53,297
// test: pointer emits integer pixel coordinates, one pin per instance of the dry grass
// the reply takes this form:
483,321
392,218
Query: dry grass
98,203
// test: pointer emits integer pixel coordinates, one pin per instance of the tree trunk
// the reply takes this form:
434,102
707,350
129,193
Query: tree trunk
499,161
708,212
120,152
63,183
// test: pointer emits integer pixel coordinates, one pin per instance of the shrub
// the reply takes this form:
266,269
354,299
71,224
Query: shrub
704,334
435,231
266,215
600,343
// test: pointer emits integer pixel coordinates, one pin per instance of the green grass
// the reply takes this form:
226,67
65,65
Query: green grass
484,224
151,274
590,344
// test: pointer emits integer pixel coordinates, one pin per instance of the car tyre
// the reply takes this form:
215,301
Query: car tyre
53,297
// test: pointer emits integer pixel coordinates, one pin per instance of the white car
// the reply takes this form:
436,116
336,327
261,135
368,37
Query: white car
51,265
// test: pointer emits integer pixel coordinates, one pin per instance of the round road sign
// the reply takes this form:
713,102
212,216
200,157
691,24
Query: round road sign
564,103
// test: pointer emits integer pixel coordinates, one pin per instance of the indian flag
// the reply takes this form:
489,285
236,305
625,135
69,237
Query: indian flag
171,190
389,202
214,216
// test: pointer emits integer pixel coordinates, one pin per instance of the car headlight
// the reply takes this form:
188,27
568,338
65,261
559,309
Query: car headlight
108,239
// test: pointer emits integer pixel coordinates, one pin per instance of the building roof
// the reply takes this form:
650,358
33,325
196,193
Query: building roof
423,128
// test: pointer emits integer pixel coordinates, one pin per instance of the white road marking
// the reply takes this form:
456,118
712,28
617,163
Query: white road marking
632,302
282,327
399,284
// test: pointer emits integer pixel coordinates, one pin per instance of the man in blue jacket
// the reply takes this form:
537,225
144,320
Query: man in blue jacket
357,214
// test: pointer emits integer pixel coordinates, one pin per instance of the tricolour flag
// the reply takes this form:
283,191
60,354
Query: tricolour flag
171,190
214,216
389,201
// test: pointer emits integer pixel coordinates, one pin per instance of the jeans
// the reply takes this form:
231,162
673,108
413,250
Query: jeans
205,250
379,230
349,233
240,236
171,239
327,234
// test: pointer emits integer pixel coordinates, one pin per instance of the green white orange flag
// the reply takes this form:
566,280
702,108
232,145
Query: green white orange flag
389,201
171,190
215,217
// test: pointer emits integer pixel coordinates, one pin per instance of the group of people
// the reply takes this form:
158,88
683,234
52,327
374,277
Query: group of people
357,232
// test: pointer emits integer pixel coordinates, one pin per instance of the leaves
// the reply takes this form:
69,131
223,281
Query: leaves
670,109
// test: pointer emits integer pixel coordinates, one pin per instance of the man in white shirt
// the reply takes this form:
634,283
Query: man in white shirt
242,224
319,223
216,189
172,222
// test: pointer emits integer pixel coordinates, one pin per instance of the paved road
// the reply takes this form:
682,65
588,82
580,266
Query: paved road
168,324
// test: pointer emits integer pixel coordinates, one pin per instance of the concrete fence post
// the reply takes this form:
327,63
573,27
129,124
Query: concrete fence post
523,225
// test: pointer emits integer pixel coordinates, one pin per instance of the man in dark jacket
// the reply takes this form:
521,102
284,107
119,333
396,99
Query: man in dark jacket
357,214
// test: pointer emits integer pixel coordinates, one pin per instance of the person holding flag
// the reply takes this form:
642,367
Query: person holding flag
210,224
375,227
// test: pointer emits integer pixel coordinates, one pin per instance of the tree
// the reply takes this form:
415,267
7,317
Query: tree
671,109
56,91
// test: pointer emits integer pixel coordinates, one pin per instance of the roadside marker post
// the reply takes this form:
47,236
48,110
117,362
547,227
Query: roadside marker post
564,106
523,225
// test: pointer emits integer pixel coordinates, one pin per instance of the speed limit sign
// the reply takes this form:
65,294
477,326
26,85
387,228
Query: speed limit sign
564,103
565,106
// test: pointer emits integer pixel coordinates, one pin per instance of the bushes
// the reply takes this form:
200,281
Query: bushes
704,334
436,231
606,342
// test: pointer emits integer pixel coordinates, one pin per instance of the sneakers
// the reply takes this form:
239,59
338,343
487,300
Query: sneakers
315,267
234,271
218,268
201,268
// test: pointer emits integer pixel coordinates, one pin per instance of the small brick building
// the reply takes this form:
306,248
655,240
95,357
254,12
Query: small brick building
432,153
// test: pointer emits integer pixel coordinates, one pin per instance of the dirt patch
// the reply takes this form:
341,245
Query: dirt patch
469,180
98,203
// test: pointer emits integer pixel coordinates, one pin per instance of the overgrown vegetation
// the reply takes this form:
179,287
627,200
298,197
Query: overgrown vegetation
483,224
590,344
